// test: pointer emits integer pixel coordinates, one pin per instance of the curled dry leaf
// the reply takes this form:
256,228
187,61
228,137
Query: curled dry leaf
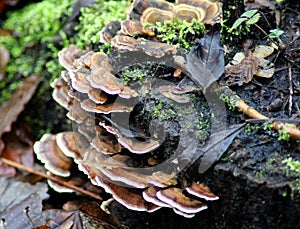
248,64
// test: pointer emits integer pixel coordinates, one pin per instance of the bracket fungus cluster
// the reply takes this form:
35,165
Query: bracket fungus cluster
108,146
153,11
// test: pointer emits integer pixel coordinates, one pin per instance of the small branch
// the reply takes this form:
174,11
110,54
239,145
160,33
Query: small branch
291,129
236,101
54,179
264,32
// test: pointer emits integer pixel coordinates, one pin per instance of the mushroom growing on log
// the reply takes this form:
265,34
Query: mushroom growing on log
113,141
105,150
122,36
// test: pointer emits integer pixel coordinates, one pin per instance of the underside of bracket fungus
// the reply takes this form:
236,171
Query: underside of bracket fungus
117,157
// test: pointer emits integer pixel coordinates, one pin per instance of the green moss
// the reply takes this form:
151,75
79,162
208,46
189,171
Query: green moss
94,18
283,135
37,22
35,26
163,111
293,169
130,75
178,31
250,128
228,97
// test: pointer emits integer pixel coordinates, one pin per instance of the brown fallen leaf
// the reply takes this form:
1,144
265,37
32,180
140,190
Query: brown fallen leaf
11,109
13,191
258,4
6,170
18,145
20,203
205,61
4,58
89,215
3,3
248,64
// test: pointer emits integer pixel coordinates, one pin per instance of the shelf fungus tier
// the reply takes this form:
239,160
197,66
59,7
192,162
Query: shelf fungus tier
144,12
131,120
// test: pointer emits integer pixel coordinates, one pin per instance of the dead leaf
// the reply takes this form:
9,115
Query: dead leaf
205,61
20,203
210,152
4,59
77,7
217,145
12,192
6,170
18,145
22,214
11,109
88,216
245,65
258,4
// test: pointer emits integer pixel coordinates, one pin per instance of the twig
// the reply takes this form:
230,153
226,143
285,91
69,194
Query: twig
274,119
54,179
291,129
290,89
294,40
298,109
235,100
267,35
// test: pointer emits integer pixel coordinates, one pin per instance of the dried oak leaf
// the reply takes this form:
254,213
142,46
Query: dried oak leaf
11,109
20,203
